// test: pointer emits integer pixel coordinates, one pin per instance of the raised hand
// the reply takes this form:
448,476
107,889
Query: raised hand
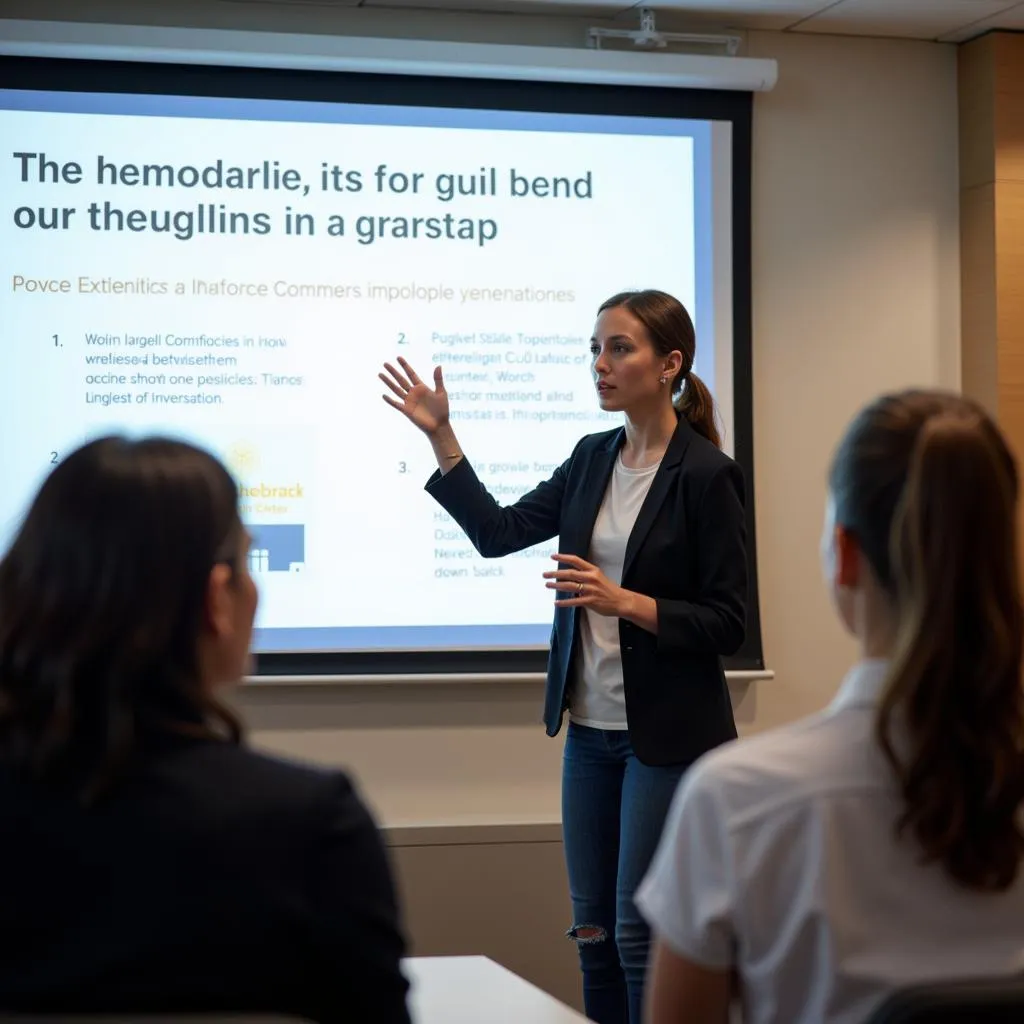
425,406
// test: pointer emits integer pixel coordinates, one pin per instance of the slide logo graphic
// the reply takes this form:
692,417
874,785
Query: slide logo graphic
242,459
268,484
276,547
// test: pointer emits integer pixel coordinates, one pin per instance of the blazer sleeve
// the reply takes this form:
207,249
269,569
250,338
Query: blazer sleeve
359,943
715,622
495,530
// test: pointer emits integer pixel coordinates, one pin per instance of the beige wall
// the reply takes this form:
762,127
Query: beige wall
855,245
855,273
856,290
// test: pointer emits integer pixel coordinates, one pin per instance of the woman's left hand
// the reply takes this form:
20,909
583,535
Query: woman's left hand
587,586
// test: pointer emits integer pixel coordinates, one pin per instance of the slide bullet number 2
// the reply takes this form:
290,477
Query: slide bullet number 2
401,338
53,458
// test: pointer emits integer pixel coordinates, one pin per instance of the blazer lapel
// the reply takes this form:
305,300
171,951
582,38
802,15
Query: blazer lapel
663,482
590,496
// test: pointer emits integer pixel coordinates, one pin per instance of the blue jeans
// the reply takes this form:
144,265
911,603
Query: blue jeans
613,811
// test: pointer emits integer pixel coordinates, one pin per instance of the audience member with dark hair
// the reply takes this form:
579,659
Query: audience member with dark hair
150,861
877,845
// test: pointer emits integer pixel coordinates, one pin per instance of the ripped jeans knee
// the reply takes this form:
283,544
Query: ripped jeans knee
587,934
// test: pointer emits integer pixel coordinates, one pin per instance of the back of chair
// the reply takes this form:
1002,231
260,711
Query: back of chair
995,1001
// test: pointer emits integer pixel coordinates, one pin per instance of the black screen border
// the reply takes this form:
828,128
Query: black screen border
152,78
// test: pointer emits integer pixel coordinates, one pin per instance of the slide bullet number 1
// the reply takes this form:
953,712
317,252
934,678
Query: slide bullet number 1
56,341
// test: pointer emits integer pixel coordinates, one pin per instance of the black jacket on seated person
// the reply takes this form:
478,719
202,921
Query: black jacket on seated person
687,550
211,879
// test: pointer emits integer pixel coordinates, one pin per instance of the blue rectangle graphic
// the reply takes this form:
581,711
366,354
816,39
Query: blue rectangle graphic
276,547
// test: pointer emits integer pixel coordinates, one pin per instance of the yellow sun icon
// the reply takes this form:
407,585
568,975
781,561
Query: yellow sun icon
242,458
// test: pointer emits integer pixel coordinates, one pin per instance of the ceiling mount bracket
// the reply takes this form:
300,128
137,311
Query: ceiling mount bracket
647,36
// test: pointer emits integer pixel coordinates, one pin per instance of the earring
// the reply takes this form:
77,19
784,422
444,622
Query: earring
663,380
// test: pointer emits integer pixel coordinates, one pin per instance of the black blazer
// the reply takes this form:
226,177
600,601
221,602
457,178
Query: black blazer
687,550
214,879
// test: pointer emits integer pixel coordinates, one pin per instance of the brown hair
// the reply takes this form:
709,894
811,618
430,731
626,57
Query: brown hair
102,598
671,330
926,484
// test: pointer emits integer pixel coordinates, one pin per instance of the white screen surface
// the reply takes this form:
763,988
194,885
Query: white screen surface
253,320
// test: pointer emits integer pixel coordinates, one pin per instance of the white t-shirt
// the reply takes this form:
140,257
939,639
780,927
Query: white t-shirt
779,859
597,697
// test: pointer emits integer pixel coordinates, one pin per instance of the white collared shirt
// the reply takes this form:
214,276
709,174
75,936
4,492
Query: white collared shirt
779,859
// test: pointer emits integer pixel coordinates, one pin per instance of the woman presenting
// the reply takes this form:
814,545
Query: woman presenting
651,582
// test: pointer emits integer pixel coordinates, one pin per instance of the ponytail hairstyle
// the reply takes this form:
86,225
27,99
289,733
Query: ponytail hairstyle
671,330
925,483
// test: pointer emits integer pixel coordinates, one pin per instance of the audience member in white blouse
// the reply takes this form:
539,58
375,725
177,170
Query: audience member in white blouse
812,870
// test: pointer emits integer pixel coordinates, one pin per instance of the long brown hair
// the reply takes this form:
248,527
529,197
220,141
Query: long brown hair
671,330
926,484
102,598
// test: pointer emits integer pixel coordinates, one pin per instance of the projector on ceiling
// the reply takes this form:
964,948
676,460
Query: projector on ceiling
647,37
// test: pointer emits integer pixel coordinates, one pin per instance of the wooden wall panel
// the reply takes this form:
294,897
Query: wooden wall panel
1009,243
1008,115
991,104
976,83
979,364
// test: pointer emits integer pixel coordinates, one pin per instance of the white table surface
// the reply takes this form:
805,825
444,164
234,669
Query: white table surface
476,990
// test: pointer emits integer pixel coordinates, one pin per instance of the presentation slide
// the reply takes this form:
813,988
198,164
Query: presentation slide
235,272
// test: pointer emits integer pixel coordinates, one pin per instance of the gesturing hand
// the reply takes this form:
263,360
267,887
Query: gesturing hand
426,407
587,585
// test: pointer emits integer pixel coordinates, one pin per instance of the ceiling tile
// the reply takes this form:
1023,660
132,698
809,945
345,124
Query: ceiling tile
580,8
303,8
918,19
1011,19
756,14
